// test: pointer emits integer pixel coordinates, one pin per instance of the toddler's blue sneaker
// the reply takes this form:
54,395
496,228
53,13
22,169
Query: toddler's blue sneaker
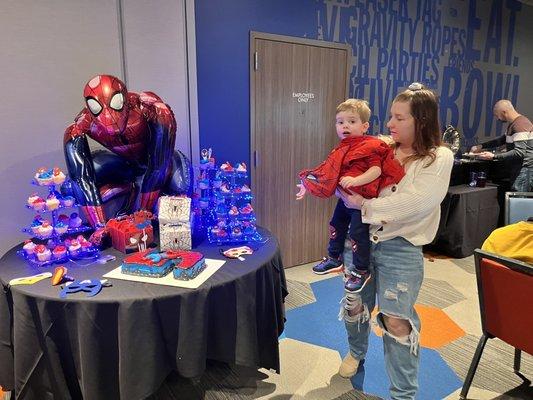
328,265
357,281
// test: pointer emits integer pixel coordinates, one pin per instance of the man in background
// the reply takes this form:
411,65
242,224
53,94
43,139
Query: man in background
518,139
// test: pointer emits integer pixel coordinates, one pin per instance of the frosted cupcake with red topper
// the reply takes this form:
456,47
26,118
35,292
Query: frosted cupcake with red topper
74,247
46,230
247,209
226,167
58,176
43,253
59,252
32,198
84,243
39,204
234,211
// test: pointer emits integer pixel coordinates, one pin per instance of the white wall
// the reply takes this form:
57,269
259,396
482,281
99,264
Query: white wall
49,50
154,40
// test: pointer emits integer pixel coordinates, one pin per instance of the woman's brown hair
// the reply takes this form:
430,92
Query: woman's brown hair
425,110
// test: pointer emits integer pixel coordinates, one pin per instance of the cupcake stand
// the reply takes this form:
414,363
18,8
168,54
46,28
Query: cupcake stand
58,239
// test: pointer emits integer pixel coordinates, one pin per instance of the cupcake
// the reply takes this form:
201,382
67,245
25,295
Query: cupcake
38,174
52,203
67,201
74,248
42,252
61,228
58,176
222,233
86,245
245,189
226,167
203,202
81,240
59,252
45,178
241,167
36,226
45,230
203,184
29,247
39,204
233,212
74,221
225,189
63,218
236,232
247,209
32,198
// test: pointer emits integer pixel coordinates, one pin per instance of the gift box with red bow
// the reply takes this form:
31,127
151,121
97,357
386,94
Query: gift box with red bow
132,232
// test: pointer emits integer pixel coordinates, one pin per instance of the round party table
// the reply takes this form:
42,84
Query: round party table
123,343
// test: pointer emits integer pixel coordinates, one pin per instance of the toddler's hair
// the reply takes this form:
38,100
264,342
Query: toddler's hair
360,107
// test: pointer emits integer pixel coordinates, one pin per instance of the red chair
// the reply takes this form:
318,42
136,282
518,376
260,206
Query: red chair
505,290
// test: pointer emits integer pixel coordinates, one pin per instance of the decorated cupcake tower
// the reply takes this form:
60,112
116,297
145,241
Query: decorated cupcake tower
46,247
224,202
203,201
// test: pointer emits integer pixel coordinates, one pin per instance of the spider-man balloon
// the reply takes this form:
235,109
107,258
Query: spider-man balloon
139,130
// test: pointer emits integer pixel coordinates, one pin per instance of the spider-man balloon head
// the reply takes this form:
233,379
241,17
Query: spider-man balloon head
106,98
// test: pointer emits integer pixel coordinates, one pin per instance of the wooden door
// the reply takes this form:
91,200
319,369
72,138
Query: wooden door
296,85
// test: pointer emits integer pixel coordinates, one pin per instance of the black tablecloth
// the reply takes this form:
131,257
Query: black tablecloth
468,216
126,340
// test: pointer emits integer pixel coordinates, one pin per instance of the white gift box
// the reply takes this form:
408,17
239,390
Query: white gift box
175,237
174,209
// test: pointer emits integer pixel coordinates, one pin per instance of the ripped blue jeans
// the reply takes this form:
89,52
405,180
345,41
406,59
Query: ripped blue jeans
397,269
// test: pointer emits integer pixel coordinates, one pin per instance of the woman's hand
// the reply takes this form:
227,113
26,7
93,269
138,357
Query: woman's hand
350,200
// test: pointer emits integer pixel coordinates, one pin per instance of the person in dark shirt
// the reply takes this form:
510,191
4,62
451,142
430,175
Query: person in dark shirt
519,146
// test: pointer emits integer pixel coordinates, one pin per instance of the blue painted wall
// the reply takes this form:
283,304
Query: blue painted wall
223,45
473,52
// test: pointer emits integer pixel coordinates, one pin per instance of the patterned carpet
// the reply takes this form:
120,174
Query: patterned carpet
314,342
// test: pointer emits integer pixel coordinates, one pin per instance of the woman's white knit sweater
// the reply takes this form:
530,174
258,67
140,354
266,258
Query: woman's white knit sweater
411,209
